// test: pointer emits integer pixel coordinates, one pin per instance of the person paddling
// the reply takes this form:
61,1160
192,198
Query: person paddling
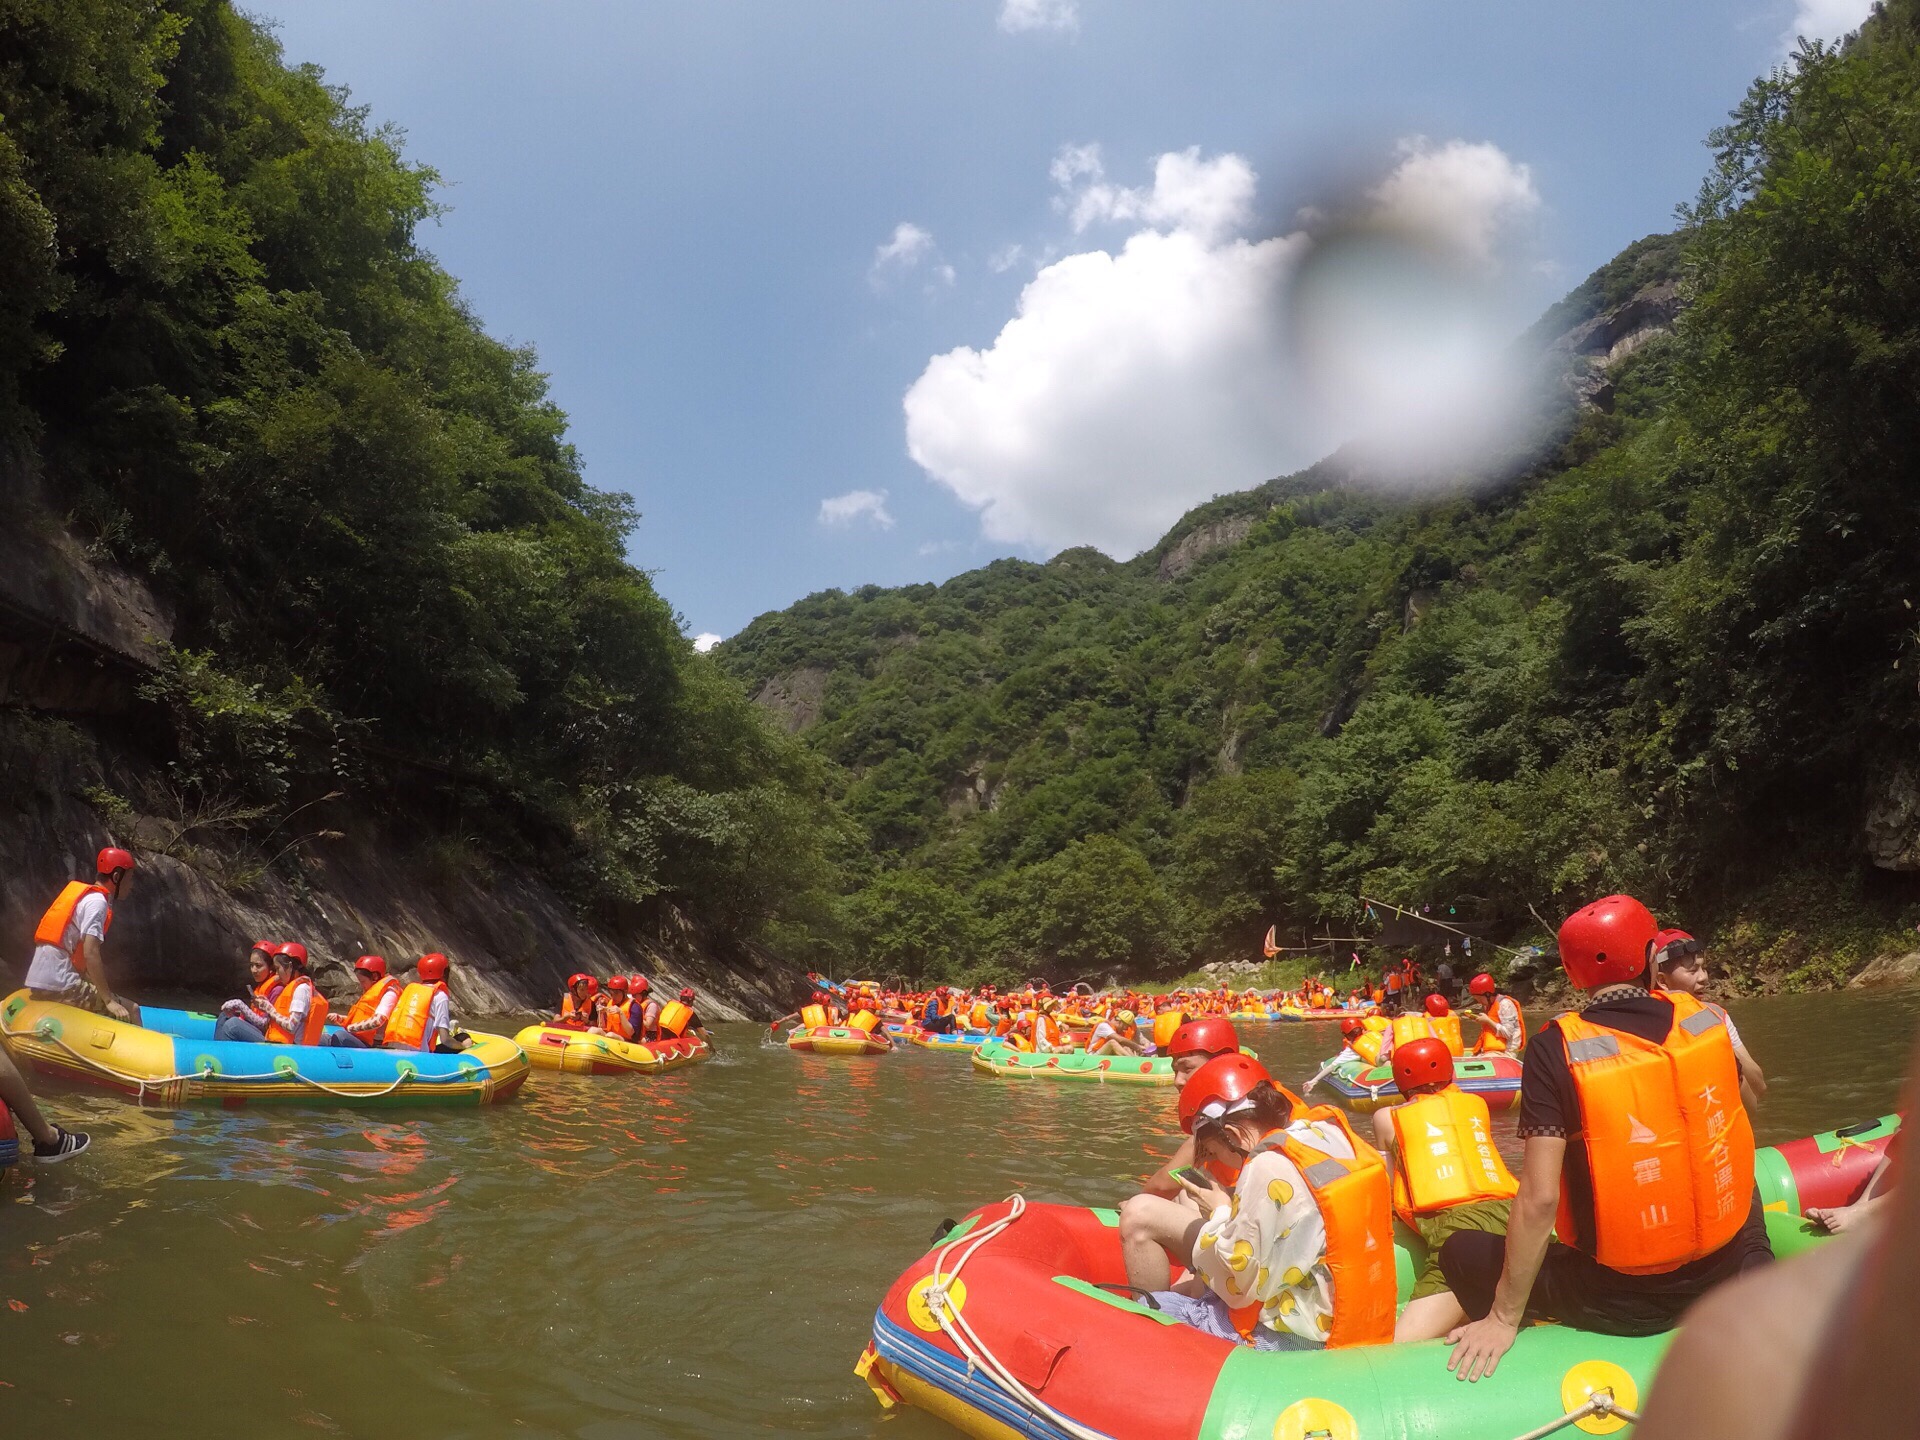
1637,1152
68,966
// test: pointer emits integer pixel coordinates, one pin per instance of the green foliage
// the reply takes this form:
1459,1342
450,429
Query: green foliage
1677,655
222,336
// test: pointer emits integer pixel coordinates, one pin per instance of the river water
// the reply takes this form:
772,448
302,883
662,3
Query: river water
697,1254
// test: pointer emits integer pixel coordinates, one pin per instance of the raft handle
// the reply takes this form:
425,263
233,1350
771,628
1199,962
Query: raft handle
1847,1132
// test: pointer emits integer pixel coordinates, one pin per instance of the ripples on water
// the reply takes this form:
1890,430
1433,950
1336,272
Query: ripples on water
697,1254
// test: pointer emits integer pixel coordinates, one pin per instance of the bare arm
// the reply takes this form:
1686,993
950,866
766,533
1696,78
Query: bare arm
1161,1182
96,969
1479,1344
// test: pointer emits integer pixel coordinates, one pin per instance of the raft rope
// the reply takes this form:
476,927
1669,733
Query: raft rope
144,1083
1601,1404
971,1347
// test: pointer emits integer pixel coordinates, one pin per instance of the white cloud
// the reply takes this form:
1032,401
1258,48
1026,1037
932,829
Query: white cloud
1017,16
1129,385
909,246
1825,20
705,641
1207,197
1464,196
840,511
1005,258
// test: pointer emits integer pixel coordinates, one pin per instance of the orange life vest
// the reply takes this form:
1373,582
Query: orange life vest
1490,1041
1367,1046
1447,1027
369,1004
619,1019
1668,1141
1446,1154
674,1017
979,1017
581,1016
281,1007
52,929
813,1017
1164,1026
407,1027
866,1022
1412,1027
1355,1203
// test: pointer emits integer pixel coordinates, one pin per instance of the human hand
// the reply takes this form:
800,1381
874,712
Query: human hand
1478,1346
1209,1197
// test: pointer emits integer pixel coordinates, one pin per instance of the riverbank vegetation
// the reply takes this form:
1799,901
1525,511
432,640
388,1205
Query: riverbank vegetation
1676,656
228,360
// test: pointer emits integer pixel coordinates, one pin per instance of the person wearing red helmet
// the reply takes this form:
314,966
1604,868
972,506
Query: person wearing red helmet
620,1018
292,1013
678,1017
365,1022
582,1006
1299,1254
1680,964
423,1015
245,1020
937,1015
67,964
1503,1029
1154,1224
1447,1175
1636,1151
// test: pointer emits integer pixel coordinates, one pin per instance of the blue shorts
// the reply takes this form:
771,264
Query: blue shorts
1209,1314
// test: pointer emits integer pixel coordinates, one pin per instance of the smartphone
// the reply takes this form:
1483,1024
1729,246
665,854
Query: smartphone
1193,1175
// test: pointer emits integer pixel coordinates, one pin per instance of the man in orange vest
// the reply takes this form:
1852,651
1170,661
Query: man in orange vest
365,1023
1447,1175
1637,1151
67,965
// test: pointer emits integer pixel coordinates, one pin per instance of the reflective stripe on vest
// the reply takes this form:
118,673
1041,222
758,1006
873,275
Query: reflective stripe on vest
1446,1156
1355,1204
52,929
1668,1143
407,1028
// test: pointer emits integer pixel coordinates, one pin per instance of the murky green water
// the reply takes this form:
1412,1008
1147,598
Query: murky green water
694,1255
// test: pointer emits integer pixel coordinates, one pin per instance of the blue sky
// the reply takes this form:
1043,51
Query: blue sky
742,235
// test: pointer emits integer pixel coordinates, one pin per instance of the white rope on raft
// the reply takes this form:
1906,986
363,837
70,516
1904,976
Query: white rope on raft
971,1347
1602,1404
144,1083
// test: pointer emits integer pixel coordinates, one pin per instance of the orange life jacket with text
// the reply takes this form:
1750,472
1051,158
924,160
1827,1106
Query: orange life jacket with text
1413,1027
1446,1154
1668,1141
674,1017
1490,1041
1354,1198
407,1027
52,929
369,1004
279,1029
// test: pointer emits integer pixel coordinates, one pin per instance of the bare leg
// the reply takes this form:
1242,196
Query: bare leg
1430,1317
13,1090
1151,1230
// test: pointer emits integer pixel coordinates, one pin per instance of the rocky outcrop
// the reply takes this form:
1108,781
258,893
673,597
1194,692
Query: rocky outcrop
1203,540
972,792
796,698
1590,350
1892,827
1888,970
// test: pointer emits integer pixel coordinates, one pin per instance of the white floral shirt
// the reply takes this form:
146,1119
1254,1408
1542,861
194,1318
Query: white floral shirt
1269,1243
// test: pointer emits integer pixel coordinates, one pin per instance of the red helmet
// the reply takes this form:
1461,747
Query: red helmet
112,860
1422,1062
1607,942
267,947
616,982
1670,945
1482,984
686,995
373,965
1437,1005
1209,1035
1217,1086
1350,1027
593,985
295,952
637,984
579,978
432,967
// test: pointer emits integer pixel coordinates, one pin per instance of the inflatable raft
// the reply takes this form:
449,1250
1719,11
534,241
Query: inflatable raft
1041,1291
1823,1170
172,1059
553,1047
1363,1088
966,1041
838,1040
997,1057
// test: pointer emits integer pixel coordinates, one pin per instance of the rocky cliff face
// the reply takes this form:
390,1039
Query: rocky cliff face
346,876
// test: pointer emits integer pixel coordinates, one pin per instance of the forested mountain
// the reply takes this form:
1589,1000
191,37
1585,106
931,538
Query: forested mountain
228,365
1676,655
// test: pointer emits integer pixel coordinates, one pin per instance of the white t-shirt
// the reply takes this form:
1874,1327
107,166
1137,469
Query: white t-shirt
52,967
439,1020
